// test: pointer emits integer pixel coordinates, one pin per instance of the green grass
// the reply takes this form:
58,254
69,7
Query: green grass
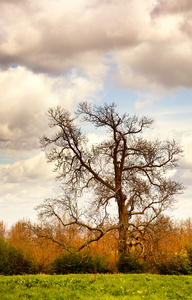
102,287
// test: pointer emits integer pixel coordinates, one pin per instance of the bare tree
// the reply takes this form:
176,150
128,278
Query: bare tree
124,169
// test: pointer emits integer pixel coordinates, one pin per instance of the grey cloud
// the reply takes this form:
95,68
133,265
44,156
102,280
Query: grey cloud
20,144
166,66
48,44
56,38
171,7
182,8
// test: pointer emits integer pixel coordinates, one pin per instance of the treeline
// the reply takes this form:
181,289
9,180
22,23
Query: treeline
165,248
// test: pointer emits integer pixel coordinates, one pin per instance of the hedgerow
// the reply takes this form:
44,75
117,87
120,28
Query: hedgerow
12,260
74,262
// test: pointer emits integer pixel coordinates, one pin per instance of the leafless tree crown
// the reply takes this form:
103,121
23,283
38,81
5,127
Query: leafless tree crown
124,168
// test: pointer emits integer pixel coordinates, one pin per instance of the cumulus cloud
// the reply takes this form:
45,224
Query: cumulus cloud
25,98
150,49
54,37
33,170
160,67
25,184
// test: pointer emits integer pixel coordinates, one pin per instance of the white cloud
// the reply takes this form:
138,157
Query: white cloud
25,98
24,185
184,172
141,104
32,170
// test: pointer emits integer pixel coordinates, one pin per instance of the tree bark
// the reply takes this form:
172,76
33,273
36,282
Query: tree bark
123,225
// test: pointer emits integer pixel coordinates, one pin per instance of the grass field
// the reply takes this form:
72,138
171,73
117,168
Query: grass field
102,287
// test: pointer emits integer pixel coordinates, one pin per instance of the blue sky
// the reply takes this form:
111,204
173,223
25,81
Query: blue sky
136,53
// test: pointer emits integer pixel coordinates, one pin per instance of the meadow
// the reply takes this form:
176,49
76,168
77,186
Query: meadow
95,286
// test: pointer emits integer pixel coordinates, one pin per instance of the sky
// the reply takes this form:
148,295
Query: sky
136,53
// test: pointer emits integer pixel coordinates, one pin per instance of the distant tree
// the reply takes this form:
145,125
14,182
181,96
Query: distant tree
125,170
2,229
39,250
159,241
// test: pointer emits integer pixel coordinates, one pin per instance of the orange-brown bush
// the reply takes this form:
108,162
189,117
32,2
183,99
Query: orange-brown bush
160,243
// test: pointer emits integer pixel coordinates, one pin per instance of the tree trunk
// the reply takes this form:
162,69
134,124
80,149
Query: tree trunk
123,226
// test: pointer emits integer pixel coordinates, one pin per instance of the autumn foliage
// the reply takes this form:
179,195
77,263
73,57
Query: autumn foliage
165,248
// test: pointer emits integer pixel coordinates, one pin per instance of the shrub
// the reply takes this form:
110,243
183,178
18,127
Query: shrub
189,254
12,261
177,265
128,263
93,264
74,262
